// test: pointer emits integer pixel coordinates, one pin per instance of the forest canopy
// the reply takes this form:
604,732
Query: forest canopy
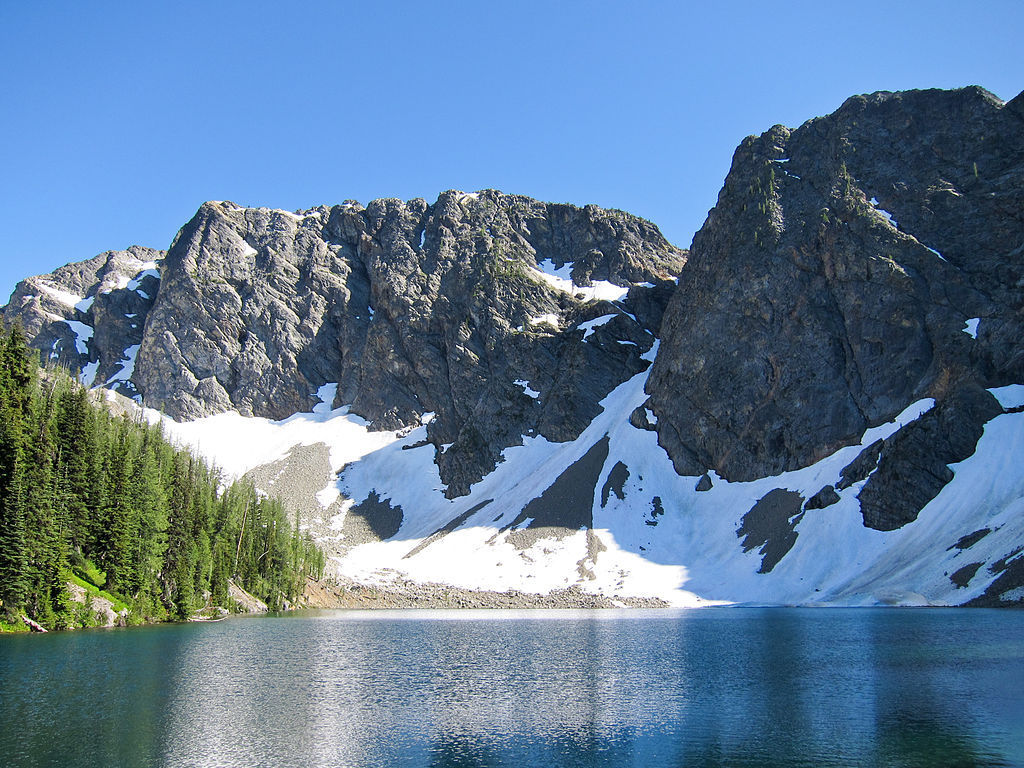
106,502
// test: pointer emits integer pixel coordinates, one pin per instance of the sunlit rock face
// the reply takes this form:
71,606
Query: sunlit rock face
851,266
89,316
472,309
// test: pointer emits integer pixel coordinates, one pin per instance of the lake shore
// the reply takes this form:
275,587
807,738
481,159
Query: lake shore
402,593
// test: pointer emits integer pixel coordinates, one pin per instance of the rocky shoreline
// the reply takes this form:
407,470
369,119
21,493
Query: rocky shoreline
401,594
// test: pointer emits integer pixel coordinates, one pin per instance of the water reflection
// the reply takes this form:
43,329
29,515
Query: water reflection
743,687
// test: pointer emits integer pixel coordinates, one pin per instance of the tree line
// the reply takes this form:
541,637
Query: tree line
109,502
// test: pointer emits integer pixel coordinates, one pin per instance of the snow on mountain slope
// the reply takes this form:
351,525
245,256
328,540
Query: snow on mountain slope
607,514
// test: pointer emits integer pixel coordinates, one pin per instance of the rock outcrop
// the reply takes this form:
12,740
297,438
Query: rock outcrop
89,316
497,315
850,267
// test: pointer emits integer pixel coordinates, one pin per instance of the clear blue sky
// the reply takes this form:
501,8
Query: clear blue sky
120,119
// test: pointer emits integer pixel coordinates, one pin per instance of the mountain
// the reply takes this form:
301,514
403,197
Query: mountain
821,401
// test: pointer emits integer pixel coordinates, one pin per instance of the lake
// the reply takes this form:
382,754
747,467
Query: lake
728,686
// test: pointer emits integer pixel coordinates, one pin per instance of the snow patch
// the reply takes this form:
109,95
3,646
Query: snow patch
589,326
132,284
548,319
971,327
88,375
326,395
127,364
237,444
932,250
651,353
328,495
59,295
82,333
564,272
1011,396
559,279
526,388
884,214
85,304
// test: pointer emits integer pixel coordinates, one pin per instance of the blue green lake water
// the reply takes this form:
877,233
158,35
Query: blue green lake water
736,687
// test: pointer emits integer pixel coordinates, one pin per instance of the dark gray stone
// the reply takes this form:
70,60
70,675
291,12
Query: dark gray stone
860,467
614,484
372,519
962,576
771,525
969,540
567,505
826,497
913,466
804,316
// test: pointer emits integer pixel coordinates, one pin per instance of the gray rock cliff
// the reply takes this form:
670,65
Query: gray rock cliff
852,266
89,316
410,309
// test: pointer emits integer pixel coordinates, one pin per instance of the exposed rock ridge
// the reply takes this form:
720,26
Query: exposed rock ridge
452,309
851,266
89,316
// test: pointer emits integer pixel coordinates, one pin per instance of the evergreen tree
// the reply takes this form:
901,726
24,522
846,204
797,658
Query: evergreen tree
45,527
75,439
15,383
151,503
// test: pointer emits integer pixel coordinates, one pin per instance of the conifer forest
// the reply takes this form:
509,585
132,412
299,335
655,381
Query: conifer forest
106,502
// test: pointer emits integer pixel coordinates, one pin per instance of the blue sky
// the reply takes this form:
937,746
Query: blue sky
120,119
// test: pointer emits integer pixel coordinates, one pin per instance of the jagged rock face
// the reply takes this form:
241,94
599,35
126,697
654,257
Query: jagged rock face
831,286
838,322
90,316
411,309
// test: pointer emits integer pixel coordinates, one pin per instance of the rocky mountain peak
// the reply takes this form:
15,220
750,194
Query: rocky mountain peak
402,309
833,283
89,316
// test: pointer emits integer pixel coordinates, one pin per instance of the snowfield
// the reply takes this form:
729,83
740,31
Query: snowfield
654,534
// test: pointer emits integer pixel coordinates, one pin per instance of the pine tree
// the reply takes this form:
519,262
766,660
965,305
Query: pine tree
46,528
75,440
15,382
119,518
151,504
